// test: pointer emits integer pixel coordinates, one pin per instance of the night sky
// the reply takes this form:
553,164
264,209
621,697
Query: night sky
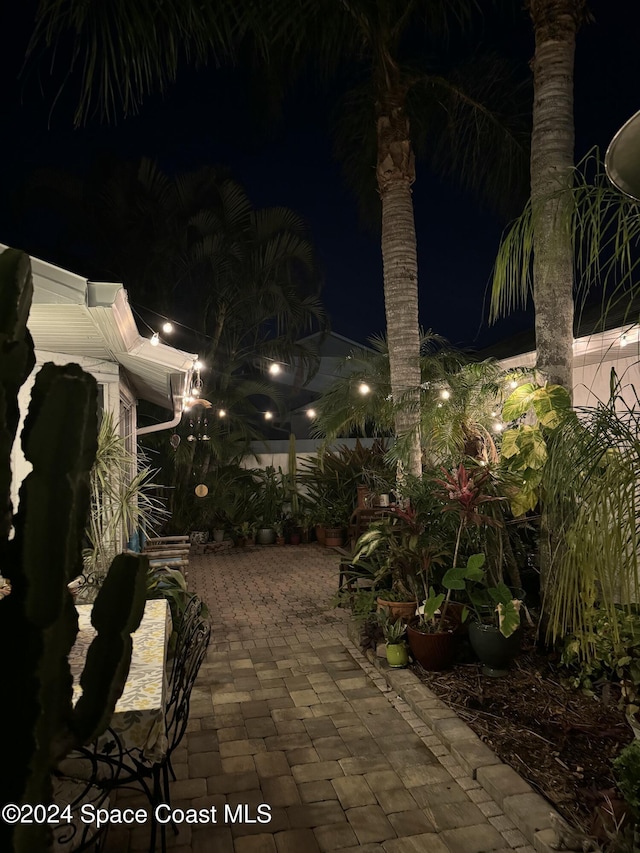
207,119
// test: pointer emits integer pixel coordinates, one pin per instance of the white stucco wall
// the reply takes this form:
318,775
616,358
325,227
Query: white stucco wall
106,373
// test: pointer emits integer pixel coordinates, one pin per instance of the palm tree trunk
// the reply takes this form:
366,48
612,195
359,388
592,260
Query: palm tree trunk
395,172
552,151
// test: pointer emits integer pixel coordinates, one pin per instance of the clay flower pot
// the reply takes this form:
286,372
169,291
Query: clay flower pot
398,609
433,652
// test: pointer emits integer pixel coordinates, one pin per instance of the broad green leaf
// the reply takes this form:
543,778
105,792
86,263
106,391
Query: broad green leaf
518,404
523,501
454,578
475,561
432,603
550,404
508,618
509,447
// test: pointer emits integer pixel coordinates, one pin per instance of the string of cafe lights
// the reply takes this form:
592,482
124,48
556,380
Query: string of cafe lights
276,368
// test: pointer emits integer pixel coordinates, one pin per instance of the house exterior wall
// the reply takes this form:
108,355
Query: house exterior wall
107,376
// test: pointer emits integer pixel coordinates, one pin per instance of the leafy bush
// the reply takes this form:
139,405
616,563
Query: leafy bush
614,656
626,769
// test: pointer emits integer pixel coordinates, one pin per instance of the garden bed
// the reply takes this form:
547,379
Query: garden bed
560,740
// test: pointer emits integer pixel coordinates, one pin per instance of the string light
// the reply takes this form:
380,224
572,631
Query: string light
498,427
363,388
155,339
167,328
198,365
274,369
445,394
268,416
624,340
222,413
494,414
311,413
513,384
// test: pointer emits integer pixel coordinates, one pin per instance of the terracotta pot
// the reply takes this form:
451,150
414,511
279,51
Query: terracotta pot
433,652
454,614
334,537
280,540
398,609
321,533
295,538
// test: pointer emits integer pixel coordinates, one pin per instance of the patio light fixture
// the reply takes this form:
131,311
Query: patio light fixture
167,328
363,388
155,339
275,369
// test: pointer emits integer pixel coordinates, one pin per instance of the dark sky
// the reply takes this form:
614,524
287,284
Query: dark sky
206,119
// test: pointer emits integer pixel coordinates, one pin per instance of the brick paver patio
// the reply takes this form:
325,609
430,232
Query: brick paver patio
287,713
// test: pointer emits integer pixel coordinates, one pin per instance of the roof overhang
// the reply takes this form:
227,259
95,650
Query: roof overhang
77,317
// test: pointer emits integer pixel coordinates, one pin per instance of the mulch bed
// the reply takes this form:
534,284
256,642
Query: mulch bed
560,740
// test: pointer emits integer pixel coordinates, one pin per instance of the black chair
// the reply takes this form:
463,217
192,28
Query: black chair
135,770
82,780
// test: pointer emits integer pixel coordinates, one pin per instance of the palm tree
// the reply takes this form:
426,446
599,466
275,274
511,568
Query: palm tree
122,56
455,410
193,246
543,235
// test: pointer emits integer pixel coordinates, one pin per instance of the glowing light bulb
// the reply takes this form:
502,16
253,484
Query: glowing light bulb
513,384
198,365
498,427
363,388
155,339
311,413
167,328
195,392
268,416
445,394
624,340
494,414
222,413
274,369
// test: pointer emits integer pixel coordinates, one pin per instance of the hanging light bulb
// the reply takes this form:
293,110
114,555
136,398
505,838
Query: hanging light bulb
155,339
268,416
205,424
274,369
498,427
167,328
363,388
311,413
513,384
445,394
195,391
222,413
494,414
198,365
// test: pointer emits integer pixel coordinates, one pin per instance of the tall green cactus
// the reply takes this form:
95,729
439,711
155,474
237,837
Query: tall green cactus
40,552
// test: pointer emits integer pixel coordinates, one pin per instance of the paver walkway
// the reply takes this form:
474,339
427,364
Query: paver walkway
286,713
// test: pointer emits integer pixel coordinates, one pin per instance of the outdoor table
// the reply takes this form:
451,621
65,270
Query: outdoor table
138,719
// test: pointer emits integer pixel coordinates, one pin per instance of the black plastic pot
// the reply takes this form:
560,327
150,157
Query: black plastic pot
494,650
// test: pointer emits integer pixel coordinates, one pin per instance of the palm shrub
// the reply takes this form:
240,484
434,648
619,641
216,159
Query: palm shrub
592,493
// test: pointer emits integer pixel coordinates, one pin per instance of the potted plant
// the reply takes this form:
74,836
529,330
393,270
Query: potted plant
493,633
432,637
269,505
401,550
395,635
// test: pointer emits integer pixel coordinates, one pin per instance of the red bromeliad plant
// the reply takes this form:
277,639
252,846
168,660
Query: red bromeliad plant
463,493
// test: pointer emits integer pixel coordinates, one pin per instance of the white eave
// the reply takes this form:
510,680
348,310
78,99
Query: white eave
77,317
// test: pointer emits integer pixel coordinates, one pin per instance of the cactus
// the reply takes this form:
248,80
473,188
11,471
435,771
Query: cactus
38,620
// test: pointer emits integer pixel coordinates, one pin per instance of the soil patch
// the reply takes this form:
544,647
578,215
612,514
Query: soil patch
560,740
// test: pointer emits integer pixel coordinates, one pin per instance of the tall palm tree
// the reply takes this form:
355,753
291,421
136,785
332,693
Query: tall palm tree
542,237
121,55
